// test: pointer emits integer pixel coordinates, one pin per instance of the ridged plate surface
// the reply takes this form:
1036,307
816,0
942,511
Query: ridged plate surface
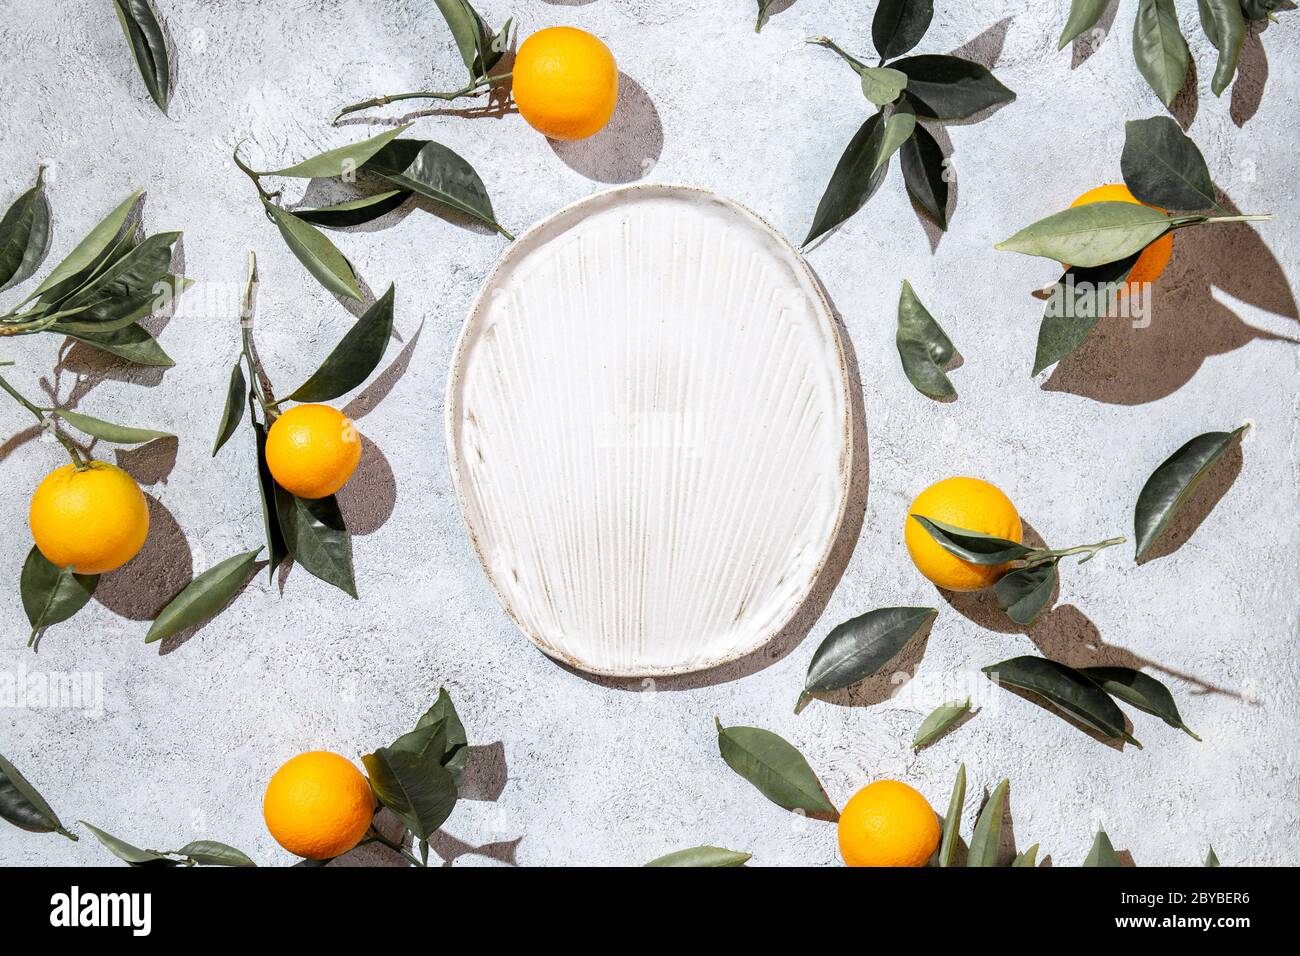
648,430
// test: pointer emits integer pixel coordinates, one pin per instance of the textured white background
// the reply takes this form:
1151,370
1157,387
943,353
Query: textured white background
576,771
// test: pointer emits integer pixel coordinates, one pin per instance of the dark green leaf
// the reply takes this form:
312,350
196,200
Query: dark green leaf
204,596
762,13
125,291
474,39
443,714
1224,24
1260,9
354,358
923,172
1172,484
988,829
148,41
1095,234
1159,48
973,546
1078,301
1163,167
952,821
24,234
923,346
52,594
940,721
881,85
948,87
778,770
212,853
853,181
899,25
414,786
125,851
1102,853
1211,859
859,647
270,494
132,343
234,409
1029,858
1066,689
1142,691
314,250
96,242
341,161
317,538
437,173
23,806
107,431
708,856
355,212
1084,15
1024,593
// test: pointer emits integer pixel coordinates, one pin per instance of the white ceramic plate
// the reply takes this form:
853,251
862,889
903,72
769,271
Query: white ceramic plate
649,431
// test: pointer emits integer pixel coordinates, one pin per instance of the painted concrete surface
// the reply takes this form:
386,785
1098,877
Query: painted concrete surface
571,770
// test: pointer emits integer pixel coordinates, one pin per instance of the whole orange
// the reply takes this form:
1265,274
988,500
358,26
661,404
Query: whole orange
312,450
92,517
888,823
318,805
1154,257
964,503
565,83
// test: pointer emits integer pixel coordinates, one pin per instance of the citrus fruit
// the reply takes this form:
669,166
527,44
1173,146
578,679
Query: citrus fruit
965,503
312,450
1154,257
92,517
887,823
565,83
318,805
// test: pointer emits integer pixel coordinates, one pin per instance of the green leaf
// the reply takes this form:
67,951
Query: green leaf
1170,485
414,786
1066,689
1142,691
1028,858
437,173
132,343
212,853
96,242
24,234
1024,593
1211,859
859,647
713,856
355,212
923,347
899,25
354,358
948,87
125,851
1078,301
898,129
853,181
341,161
107,431
1163,167
762,13
204,596
988,829
317,538
52,594
1102,853
1224,24
270,494
439,733
1159,48
940,721
321,257
1260,9
923,172
1084,15
148,42
776,768
127,290
234,409
1095,234
973,546
882,85
952,821
23,806
473,38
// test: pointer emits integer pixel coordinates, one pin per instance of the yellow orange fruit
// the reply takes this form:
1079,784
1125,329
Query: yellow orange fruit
888,823
965,503
1154,257
565,83
312,450
318,805
92,517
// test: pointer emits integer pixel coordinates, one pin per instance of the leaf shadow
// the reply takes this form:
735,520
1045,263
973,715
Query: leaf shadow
1183,108
1089,42
151,463
1204,498
985,49
368,399
629,146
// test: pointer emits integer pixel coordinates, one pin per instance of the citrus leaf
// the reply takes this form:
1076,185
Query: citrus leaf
1066,689
233,411
1159,48
212,853
52,594
1170,485
354,358
923,346
973,546
709,856
23,806
988,829
1211,859
204,596
949,87
1142,691
126,852
437,173
859,647
1095,234
1080,298
439,733
1024,593
95,243
148,42
107,431
923,172
269,495
776,768
1084,15
1028,858
853,181
355,212
473,38
314,250
24,234
1259,9
899,25
317,538
131,342
952,821
881,85
1224,24
126,290
341,161
898,130
1102,853
940,721
1163,167
414,786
